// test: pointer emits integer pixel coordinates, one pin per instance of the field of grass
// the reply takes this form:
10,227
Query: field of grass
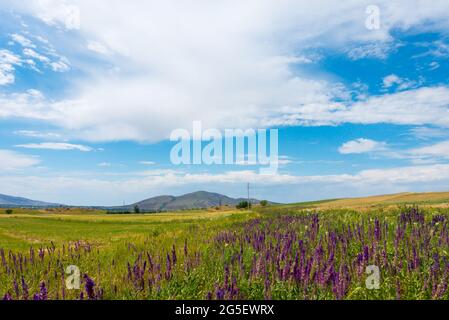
25,228
422,198
311,251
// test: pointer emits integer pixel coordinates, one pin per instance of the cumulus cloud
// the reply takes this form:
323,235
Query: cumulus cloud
223,64
426,105
361,145
58,11
96,118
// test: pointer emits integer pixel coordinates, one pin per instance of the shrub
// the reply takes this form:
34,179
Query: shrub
9,211
243,205
264,203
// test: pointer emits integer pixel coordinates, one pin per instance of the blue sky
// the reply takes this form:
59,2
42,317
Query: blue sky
89,97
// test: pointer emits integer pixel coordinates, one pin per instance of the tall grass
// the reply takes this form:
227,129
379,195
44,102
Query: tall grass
275,254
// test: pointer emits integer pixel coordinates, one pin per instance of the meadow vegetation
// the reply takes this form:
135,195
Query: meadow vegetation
272,252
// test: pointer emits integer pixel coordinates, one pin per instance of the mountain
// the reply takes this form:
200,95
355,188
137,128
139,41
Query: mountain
23,202
195,200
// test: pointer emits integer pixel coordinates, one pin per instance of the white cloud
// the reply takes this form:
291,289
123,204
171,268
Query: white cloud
406,175
11,160
30,104
7,62
429,154
284,160
250,160
426,133
104,164
59,11
97,119
361,145
246,54
59,66
33,54
37,134
97,47
401,83
377,50
55,146
438,150
22,40
427,105
442,50
438,49
391,80
147,163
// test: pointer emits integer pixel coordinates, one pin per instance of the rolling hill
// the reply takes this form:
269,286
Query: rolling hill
420,198
11,201
195,200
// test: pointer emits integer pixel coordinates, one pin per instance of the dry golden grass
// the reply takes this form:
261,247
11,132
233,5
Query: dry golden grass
424,198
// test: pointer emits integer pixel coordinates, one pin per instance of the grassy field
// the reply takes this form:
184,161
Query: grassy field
314,250
424,198
25,228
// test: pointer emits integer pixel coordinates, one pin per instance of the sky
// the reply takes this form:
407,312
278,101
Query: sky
90,92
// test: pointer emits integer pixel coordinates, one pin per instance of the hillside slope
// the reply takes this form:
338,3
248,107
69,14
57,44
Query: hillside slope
194,200
422,198
6,200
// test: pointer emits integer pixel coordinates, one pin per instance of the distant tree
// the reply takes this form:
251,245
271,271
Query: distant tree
243,205
9,211
264,203
136,209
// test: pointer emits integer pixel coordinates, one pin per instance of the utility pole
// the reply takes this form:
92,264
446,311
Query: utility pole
249,205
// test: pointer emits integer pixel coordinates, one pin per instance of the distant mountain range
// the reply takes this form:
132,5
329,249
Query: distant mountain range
195,200
10,201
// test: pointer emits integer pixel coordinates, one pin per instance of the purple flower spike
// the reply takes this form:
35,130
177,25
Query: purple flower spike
7,297
89,286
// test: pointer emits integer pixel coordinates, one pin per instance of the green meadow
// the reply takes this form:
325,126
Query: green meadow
26,228
314,250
